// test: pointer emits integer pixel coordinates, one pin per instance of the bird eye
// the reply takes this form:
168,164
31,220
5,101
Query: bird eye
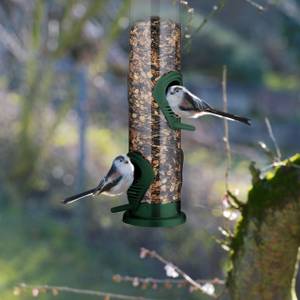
173,90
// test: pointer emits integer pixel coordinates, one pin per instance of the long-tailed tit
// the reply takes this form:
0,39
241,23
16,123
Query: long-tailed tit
187,105
117,181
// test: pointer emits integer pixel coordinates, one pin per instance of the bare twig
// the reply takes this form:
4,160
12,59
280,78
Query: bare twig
266,150
230,202
271,166
289,8
215,9
10,42
193,283
256,5
279,164
150,280
271,134
234,201
226,129
56,289
190,14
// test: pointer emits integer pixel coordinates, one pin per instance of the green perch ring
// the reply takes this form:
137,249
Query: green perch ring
159,93
147,214
143,178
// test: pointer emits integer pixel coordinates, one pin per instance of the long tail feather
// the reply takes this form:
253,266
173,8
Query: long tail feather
229,116
79,196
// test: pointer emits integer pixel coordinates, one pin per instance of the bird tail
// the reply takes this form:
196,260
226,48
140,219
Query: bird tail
229,116
79,196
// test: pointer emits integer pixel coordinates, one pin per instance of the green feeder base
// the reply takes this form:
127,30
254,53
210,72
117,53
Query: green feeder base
155,215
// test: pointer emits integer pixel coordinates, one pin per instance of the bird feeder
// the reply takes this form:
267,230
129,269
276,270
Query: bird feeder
154,130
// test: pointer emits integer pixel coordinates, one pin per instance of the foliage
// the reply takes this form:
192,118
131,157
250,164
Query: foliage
36,129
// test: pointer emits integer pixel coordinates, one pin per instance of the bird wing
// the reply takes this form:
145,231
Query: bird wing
112,178
192,103
110,184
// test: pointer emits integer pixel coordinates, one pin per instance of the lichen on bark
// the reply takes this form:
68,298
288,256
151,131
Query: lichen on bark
264,249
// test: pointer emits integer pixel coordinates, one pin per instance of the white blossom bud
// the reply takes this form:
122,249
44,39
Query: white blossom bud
171,271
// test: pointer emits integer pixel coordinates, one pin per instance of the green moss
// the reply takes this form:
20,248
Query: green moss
271,192
278,185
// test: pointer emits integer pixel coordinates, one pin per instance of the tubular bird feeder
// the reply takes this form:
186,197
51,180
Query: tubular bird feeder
154,130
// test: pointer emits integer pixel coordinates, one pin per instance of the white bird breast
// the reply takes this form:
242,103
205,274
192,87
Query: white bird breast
122,186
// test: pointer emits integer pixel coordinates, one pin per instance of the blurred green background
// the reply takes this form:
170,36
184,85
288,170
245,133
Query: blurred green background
63,118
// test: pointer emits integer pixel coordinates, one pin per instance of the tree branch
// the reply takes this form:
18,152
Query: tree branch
195,285
157,281
271,134
215,9
256,5
226,129
289,8
36,289
266,242
11,43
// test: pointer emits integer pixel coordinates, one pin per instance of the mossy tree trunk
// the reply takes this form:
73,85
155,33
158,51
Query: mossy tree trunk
265,246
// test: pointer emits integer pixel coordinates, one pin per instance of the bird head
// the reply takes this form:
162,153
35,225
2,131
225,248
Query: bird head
123,164
175,92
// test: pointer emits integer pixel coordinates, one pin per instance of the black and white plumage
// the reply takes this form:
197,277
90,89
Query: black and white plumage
117,181
187,105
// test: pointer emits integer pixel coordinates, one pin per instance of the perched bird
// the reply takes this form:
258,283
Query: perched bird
117,181
187,105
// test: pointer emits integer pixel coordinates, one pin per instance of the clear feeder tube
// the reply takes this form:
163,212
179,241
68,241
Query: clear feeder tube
155,41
